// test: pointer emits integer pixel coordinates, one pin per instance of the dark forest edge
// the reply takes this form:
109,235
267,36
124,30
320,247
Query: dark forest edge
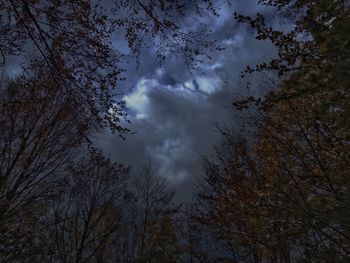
276,192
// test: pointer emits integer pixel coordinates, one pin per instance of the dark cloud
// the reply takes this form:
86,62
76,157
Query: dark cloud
174,111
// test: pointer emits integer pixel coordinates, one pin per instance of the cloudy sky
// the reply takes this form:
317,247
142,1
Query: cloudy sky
173,111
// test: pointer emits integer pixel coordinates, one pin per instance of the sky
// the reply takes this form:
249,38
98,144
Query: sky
174,112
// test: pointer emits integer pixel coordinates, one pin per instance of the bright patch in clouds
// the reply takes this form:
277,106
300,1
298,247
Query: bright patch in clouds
208,85
225,14
160,72
137,101
211,67
203,84
236,41
189,85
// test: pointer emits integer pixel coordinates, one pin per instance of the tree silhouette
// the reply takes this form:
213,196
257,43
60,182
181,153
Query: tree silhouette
278,192
84,221
73,40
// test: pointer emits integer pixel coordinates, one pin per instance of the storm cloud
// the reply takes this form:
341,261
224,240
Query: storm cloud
173,111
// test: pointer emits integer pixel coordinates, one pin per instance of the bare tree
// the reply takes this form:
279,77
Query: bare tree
73,39
39,132
85,221
197,244
154,234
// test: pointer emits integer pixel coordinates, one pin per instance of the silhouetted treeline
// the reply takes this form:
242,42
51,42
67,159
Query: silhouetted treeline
279,190
275,192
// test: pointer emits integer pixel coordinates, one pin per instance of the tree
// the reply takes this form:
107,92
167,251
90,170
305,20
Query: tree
84,221
279,192
39,133
306,165
316,47
228,201
282,195
73,39
197,243
67,91
306,125
154,237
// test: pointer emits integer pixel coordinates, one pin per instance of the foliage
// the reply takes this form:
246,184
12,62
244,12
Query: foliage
281,193
73,39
